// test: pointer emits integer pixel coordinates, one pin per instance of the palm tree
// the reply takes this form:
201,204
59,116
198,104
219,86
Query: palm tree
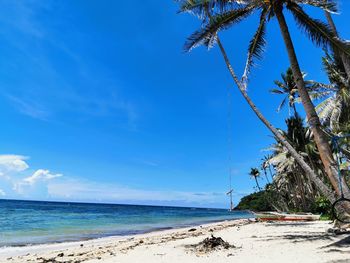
263,168
266,164
334,110
221,14
289,175
344,59
254,173
315,30
287,87
323,188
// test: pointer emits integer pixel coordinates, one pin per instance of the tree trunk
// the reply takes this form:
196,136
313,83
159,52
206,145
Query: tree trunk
267,179
344,58
323,188
295,110
271,172
314,122
257,184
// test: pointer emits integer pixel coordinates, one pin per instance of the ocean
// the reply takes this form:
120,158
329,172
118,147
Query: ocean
35,222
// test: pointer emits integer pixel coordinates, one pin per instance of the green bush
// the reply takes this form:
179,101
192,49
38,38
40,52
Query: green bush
322,206
255,202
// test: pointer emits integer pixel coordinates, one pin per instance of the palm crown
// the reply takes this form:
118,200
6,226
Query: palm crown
222,14
333,111
287,87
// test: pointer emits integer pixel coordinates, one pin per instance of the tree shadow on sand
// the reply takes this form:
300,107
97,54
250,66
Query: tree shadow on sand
301,237
342,243
290,224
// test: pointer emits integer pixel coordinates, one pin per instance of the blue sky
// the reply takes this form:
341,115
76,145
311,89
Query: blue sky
99,103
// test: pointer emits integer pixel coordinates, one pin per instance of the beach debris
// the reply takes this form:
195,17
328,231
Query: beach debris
338,231
53,260
60,255
192,230
210,244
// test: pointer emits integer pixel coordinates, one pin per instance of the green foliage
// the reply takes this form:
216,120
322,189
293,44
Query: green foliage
256,202
322,206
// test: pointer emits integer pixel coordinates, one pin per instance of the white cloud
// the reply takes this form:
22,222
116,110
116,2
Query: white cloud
37,178
40,175
12,163
2,192
14,169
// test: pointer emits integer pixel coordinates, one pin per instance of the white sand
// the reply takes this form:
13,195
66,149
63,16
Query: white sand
255,242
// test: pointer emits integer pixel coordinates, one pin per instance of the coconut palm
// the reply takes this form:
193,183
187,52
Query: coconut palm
344,59
288,88
289,175
222,14
255,174
267,165
263,168
334,110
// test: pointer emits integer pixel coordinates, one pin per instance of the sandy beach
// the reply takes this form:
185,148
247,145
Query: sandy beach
249,242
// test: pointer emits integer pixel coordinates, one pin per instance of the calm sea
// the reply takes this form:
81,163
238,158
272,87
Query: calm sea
29,222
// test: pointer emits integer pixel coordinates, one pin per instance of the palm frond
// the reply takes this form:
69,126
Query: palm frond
207,34
325,108
200,8
276,91
256,45
319,32
335,116
329,5
283,103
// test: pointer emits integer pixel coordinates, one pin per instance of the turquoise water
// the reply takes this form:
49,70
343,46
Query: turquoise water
29,222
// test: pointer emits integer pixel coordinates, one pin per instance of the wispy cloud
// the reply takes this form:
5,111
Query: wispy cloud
2,192
82,190
42,183
24,11
29,108
148,162
83,91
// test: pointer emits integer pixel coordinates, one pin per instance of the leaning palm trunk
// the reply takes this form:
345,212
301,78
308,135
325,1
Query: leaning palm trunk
257,184
267,179
345,60
313,119
323,188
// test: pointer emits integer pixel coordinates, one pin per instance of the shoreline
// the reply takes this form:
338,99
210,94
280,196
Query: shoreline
130,234
14,251
249,241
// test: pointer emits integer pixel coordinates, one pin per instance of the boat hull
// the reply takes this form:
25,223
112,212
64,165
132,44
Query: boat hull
286,217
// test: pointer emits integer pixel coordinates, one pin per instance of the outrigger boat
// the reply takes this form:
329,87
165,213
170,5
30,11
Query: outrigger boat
276,216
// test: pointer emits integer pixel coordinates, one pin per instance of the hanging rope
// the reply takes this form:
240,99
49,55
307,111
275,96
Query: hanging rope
230,143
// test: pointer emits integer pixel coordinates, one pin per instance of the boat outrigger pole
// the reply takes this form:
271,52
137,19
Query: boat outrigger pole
231,201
